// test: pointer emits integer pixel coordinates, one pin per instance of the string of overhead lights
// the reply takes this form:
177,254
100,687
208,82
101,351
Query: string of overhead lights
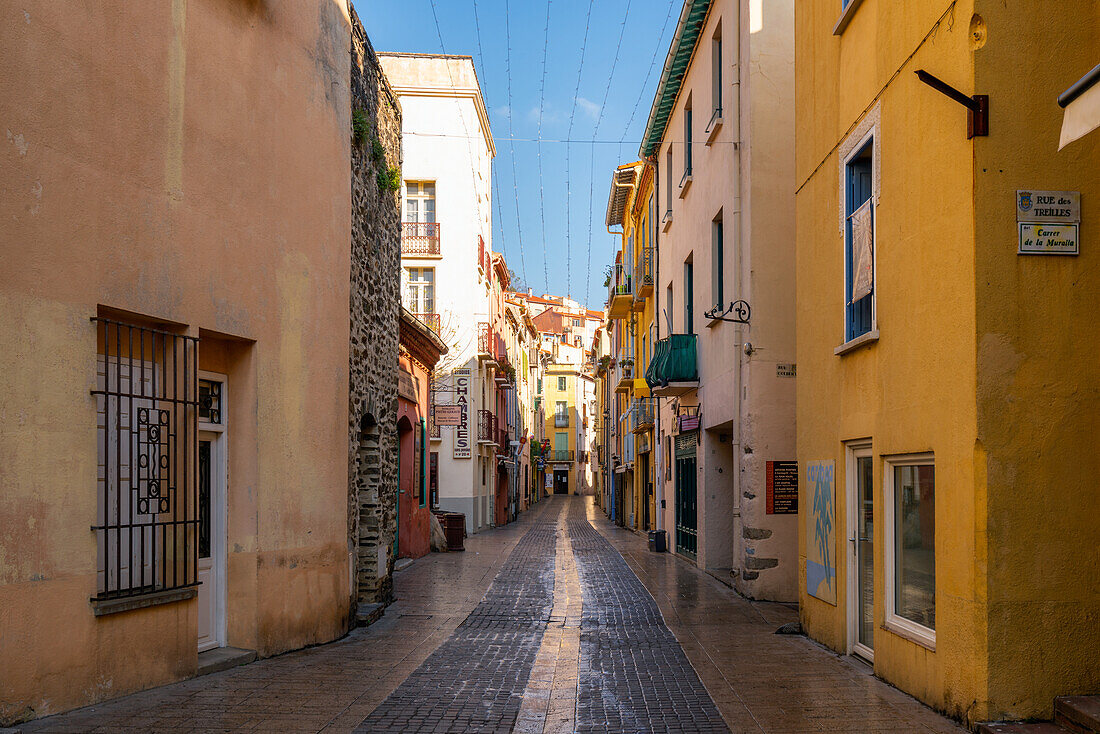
652,65
595,133
511,135
568,177
465,128
542,101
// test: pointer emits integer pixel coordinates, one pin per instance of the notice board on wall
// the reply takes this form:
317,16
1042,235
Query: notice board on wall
782,487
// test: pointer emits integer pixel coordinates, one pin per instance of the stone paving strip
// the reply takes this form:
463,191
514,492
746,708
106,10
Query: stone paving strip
549,702
474,682
635,676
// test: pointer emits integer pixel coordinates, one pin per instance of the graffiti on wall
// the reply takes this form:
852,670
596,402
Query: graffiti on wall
821,531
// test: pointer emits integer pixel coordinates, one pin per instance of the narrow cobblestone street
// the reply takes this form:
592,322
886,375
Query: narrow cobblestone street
557,623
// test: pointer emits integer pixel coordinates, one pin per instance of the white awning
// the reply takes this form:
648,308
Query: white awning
1082,105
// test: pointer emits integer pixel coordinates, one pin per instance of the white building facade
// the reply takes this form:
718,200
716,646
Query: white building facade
448,268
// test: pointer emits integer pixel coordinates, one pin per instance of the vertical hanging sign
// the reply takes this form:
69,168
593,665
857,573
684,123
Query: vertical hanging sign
462,400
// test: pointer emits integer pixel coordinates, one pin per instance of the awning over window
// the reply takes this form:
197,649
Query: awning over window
1082,105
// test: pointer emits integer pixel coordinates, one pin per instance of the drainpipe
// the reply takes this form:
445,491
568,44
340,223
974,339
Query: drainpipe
739,292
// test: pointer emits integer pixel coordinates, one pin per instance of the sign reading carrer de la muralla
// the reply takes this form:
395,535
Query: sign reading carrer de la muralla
1048,222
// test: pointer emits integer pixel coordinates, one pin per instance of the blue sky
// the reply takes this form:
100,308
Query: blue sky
562,266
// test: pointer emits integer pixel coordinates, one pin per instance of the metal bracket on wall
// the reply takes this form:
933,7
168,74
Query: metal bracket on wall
739,309
977,106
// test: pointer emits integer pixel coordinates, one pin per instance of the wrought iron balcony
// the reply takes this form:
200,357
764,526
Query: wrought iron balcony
625,376
486,427
620,292
420,239
561,420
642,415
643,276
559,455
431,320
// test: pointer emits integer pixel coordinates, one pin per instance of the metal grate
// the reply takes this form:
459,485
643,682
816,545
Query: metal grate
147,406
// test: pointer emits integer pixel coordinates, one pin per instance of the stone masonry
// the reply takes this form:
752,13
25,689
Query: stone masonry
375,306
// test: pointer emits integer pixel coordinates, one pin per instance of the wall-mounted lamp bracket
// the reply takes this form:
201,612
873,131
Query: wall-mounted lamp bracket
739,309
977,106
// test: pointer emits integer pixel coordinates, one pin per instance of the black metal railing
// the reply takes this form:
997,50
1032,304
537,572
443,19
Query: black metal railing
148,520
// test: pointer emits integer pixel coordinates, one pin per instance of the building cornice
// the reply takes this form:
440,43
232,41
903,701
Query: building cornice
455,93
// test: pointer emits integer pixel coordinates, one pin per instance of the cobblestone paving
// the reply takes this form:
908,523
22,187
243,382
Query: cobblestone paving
540,627
634,674
474,681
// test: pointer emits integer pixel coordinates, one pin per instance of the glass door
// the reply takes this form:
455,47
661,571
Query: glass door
861,541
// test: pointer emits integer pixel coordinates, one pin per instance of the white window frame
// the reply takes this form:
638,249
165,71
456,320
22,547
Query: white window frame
853,450
900,626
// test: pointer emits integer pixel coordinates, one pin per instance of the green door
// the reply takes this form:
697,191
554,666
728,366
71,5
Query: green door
686,500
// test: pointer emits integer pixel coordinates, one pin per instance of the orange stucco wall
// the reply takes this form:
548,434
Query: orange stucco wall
187,161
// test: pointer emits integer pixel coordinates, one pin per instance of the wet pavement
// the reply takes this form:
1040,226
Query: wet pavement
560,622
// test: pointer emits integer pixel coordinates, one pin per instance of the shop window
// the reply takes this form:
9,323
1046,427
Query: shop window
910,547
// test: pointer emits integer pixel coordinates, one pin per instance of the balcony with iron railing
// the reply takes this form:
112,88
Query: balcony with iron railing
420,239
620,293
643,277
559,455
561,420
625,376
486,342
431,320
486,427
642,413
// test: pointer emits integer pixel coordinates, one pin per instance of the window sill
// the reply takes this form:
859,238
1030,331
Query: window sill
103,607
911,631
712,131
846,17
667,221
863,339
685,185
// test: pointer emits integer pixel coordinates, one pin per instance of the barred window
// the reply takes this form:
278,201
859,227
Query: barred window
147,407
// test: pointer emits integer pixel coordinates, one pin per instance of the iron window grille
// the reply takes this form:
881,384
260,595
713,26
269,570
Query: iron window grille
147,406
210,401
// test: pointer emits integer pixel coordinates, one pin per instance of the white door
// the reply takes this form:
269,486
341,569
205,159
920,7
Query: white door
861,544
211,540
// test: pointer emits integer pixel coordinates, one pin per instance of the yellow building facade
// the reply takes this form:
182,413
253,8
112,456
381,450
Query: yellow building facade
947,384
631,311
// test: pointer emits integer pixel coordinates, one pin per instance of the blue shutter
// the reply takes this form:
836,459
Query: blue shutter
859,183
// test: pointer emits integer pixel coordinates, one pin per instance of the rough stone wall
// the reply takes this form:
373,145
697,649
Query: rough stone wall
375,319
